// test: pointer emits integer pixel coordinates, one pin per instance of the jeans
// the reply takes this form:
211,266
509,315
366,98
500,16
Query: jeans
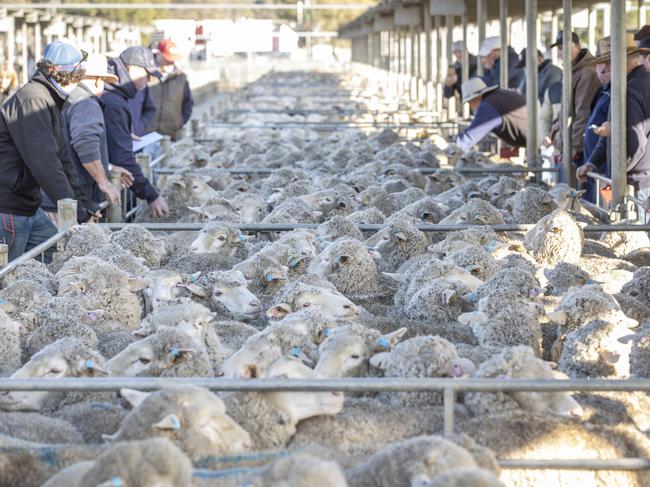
23,233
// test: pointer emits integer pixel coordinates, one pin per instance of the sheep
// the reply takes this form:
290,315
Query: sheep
397,243
221,239
91,418
141,243
422,356
265,275
415,461
427,210
130,463
250,207
80,241
10,350
122,258
293,210
337,227
187,188
596,350
443,180
476,260
31,270
512,281
520,362
226,293
622,243
564,276
215,210
326,299
20,298
529,205
566,197
191,318
67,357
206,263
167,353
474,212
37,427
369,216
555,238
438,300
194,419
105,287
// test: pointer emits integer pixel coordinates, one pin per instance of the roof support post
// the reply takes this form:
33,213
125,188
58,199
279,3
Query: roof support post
619,106
567,95
481,20
465,64
503,33
531,82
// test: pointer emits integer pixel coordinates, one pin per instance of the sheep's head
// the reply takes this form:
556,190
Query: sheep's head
164,286
217,238
193,418
214,209
302,241
228,292
192,186
66,357
250,207
347,350
328,302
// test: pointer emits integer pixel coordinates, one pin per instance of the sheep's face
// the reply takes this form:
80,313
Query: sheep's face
46,366
344,355
327,302
251,208
249,362
228,292
301,405
220,240
324,201
194,187
213,211
165,286
302,241
636,289
134,360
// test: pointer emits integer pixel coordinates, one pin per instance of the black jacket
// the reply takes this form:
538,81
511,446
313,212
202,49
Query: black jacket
34,152
638,127
173,100
492,77
117,118
449,91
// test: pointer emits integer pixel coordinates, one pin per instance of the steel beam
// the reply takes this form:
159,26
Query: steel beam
503,30
567,94
531,82
618,106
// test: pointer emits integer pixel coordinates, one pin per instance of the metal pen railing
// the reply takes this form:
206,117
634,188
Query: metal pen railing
448,386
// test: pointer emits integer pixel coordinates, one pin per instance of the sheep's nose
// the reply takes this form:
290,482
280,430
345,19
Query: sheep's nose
254,304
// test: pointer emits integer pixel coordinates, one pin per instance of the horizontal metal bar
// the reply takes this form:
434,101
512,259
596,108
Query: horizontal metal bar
287,227
323,385
33,253
600,177
330,125
505,170
185,6
577,464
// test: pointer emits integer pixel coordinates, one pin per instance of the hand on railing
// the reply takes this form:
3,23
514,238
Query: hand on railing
111,192
158,207
581,172
126,178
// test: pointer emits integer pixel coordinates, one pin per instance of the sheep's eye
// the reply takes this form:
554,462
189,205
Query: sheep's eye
53,371
634,294
306,305
217,292
221,237
144,360
354,356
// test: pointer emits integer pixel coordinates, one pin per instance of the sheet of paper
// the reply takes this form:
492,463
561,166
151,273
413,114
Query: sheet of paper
145,140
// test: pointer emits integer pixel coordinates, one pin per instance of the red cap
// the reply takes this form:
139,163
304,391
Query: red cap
169,51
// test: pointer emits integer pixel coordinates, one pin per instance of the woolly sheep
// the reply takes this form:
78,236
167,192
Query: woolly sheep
439,300
566,197
167,353
10,352
194,419
141,243
337,227
369,216
37,427
555,238
20,298
293,210
529,205
215,210
122,258
564,276
397,243
502,190
521,363
219,238
476,260
80,241
31,270
474,212
187,188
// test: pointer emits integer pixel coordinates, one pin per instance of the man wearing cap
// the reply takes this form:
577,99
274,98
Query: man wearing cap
490,54
501,112
637,120
86,134
642,33
34,152
133,68
644,52
547,74
171,94
584,86
452,82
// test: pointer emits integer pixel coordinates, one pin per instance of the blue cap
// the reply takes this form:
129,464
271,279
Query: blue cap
63,55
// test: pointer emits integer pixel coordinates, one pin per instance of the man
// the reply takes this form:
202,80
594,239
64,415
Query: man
547,74
133,68
143,109
584,86
171,94
644,55
501,112
490,54
34,152
642,33
86,133
452,82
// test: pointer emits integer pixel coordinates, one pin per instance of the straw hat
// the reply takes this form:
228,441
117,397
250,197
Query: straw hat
96,66
604,49
474,87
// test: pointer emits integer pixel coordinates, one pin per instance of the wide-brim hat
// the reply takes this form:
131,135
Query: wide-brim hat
96,66
475,87
604,49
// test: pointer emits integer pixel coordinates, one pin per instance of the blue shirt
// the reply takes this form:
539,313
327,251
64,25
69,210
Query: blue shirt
595,147
486,119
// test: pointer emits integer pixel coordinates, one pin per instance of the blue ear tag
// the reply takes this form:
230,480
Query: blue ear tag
382,342
117,482
269,277
174,352
293,263
473,297
193,279
90,364
295,352
242,238
2,301
648,295
176,423
326,332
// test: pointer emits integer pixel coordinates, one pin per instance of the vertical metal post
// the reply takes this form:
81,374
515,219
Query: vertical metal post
440,79
67,213
465,64
503,32
567,95
24,55
4,255
452,112
38,41
592,17
481,20
427,42
195,127
448,400
531,82
554,31
619,105
114,211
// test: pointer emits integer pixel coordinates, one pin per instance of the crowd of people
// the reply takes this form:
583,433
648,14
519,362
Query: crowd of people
73,125
502,111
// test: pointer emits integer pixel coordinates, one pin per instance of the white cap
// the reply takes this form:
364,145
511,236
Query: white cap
489,44
474,87
96,66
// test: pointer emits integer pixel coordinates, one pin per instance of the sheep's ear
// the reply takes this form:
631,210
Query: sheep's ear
380,360
197,290
448,295
133,396
107,438
578,194
401,278
138,283
180,183
94,314
609,357
250,372
473,318
113,482
278,311
79,285
558,316
7,307
387,341
140,332
401,236
168,423
316,214
178,353
551,364
205,178
626,339
196,209
91,366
